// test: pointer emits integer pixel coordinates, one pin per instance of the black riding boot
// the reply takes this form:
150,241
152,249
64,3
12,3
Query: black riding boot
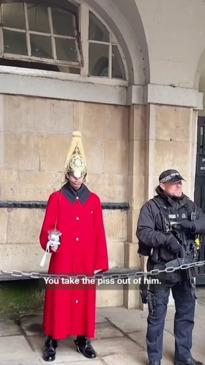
84,346
49,351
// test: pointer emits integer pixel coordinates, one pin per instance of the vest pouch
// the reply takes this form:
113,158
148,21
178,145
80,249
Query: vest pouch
169,278
166,255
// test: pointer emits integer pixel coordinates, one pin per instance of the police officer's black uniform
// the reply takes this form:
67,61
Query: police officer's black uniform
167,229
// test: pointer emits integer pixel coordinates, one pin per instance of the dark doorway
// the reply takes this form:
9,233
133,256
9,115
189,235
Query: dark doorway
199,195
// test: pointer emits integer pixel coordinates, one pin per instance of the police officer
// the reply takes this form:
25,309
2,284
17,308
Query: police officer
167,230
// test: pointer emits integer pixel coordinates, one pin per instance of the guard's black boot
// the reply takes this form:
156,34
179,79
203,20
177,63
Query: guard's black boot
49,352
190,361
84,346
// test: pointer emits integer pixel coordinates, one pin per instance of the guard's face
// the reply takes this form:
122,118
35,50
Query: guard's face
76,182
173,189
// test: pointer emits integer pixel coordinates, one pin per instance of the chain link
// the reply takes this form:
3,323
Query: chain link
127,273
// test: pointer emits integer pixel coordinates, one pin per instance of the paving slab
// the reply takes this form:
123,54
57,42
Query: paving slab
116,345
139,358
83,362
9,328
14,347
21,362
32,325
106,330
198,343
100,317
139,337
129,359
127,320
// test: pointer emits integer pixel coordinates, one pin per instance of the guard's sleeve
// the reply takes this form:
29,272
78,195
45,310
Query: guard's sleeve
146,232
200,221
101,255
49,219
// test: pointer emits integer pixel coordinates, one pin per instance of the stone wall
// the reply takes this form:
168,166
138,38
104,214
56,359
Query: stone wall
126,149
35,136
172,139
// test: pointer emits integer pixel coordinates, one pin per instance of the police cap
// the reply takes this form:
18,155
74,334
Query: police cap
170,176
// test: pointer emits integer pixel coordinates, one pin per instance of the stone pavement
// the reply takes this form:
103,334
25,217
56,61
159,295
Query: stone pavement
120,339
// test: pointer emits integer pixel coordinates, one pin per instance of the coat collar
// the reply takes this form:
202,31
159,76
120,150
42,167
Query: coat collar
73,195
172,201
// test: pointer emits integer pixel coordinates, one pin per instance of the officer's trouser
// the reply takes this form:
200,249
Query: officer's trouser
184,298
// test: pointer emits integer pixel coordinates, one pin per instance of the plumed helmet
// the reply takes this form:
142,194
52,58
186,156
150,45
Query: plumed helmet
75,161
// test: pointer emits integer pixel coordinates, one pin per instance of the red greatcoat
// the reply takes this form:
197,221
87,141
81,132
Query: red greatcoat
68,311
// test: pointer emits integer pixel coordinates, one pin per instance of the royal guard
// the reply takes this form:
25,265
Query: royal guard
73,232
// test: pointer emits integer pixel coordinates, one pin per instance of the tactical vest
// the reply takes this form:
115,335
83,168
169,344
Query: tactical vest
168,221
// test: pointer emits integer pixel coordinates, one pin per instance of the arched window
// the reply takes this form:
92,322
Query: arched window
104,55
46,35
40,34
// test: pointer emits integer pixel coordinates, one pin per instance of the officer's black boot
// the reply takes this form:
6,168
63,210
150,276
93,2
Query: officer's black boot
49,351
190,361
84,346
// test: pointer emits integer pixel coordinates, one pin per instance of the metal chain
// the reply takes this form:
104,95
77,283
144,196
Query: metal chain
126,273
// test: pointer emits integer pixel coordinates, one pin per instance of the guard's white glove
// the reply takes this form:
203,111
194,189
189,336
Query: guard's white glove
54,240
52,244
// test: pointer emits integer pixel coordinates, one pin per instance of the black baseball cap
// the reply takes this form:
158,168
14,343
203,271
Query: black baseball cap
170,176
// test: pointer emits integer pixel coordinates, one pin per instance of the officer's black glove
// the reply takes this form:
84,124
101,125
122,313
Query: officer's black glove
187,225
173,245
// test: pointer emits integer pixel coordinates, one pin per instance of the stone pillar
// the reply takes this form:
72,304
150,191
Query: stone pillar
172,144
160,137
137,192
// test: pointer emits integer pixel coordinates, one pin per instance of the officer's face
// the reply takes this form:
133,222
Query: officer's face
173,189
76,182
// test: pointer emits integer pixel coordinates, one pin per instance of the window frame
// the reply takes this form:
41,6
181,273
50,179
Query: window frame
82,21
112,42
52,61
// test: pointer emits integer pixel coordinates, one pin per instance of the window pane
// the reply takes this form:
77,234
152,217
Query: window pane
38,18
14,42
97,30
41,46
13,16
98,59
118,70
66,49
63,22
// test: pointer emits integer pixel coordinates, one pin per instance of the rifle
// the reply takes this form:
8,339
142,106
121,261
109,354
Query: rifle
189,250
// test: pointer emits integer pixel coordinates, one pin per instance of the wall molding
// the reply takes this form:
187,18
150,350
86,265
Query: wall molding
165,95
48,84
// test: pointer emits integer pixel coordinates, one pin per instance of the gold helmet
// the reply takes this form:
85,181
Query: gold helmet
75,161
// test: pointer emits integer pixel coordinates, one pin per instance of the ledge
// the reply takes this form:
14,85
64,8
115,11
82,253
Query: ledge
63,86
165,95
47,84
